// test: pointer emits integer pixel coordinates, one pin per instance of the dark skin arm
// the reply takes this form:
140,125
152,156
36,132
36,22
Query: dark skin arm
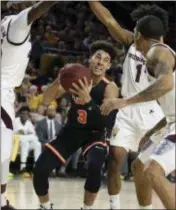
161,62
39,9
104,15
161,124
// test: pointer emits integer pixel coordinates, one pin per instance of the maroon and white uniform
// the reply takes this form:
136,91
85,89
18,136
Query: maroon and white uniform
134,121
164,152
15,48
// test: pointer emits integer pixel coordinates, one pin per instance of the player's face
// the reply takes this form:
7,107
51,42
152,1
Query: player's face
99,63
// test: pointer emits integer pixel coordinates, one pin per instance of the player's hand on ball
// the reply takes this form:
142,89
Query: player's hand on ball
82,90
112,104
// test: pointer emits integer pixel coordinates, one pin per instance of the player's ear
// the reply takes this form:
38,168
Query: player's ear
138,35
109,66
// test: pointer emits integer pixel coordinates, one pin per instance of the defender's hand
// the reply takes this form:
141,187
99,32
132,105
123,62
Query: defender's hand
112,104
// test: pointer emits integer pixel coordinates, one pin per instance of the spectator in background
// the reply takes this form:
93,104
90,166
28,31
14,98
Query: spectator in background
24,128
39,115
37,50
48,128
63,109
32,98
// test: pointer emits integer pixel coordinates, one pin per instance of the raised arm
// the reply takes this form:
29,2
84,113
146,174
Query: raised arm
104,15
55,90
39,9
20,25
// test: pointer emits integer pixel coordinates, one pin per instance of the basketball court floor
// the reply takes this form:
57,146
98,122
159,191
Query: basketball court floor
68,194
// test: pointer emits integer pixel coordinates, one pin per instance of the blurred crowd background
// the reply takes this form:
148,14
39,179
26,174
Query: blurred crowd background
63,36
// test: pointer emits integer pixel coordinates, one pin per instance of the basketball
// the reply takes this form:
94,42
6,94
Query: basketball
71,73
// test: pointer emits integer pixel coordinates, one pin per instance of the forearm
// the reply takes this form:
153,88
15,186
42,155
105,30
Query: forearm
100,11
157,127
114,28
153,92
39,9
50,93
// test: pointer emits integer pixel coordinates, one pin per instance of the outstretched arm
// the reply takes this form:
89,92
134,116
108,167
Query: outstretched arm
20,24
39,9
104,15
55,90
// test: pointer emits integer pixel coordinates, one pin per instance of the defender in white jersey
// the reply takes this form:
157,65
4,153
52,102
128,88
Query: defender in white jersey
134,121
15,48
161,64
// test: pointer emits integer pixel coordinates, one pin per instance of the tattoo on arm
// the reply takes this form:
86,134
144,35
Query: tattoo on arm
161,66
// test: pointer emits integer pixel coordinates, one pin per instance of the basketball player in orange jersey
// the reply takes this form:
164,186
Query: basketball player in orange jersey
15,48
134,121
161,64
85,127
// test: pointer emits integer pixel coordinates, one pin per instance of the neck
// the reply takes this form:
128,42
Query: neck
96,79
150,43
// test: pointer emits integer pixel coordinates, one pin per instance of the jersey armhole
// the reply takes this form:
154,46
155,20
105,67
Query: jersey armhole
127,47
13,43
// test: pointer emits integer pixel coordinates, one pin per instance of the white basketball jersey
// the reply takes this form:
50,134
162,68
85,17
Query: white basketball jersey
15,48
167,101
135,76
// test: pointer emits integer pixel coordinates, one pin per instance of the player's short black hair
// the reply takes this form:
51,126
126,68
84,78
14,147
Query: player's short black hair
105,46
150,27
24,108
155,10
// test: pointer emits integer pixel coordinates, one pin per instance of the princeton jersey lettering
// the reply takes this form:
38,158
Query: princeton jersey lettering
81,116
134,78
15,58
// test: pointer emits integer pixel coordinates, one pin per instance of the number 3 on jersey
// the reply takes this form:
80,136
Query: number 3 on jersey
82,116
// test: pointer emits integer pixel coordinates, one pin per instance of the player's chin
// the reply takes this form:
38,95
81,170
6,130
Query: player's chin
97,73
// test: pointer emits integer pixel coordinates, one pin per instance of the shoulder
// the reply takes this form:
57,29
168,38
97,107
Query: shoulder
106,81
111,90
42,121
160,53
111,85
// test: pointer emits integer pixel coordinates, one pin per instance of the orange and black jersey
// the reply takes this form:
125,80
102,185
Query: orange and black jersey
88,116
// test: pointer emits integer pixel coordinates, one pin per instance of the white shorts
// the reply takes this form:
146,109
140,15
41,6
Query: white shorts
133,122
6,143
164,152
7,119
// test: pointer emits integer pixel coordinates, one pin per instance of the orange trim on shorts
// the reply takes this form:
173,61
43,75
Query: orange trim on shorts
93,144
106,80
56,153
